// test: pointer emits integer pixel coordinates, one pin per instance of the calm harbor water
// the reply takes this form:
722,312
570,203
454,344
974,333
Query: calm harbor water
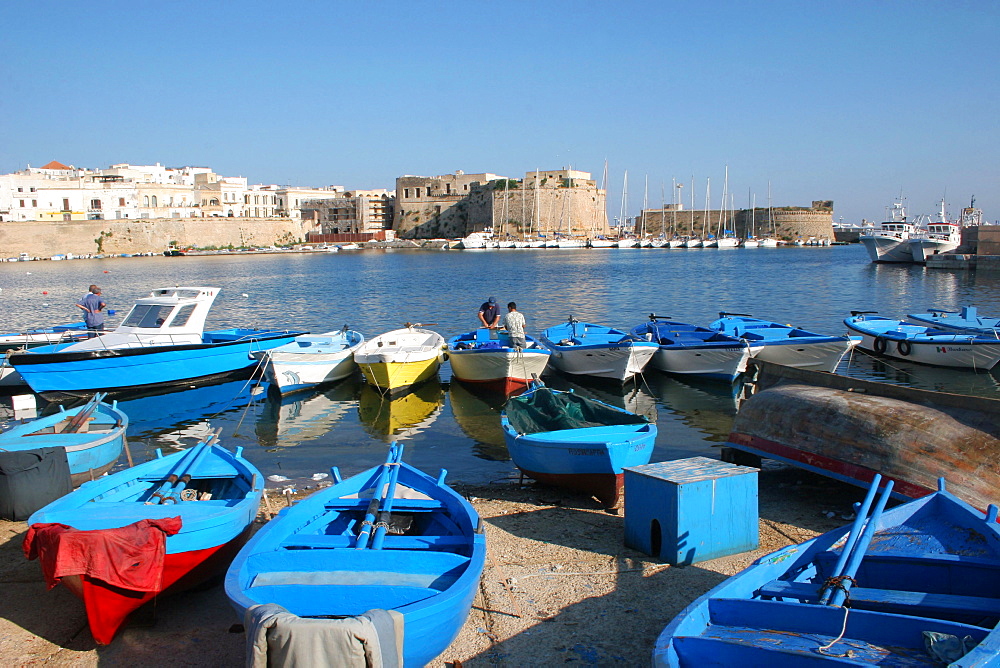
447,424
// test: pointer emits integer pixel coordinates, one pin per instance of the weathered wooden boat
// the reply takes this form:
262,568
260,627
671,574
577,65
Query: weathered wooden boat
923,344
563,439
849,429
964,321
690,350
167,524
586,349
389,538
487,356
784,344
395,361
161,342
916,585
311,360
93,436
42,336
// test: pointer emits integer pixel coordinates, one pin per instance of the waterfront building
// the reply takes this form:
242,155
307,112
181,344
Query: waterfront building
547,203
352,212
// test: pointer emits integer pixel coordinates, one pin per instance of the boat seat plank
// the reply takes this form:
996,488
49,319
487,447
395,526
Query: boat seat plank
318,600
922,602
325,541
360,580
398,505
742,646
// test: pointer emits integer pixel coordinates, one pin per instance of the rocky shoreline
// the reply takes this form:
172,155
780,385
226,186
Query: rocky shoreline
559,587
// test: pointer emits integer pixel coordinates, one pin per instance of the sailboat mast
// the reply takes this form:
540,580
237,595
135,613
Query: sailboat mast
708,205
621,220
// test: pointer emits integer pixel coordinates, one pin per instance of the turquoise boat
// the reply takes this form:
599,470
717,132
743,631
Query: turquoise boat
964,321
390,538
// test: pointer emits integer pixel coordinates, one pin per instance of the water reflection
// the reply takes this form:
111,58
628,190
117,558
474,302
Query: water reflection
707,407
403,417
302,417
477,412
867,366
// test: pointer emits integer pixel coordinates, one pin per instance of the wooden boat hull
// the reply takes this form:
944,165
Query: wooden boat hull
932,565
850,429
307,559
212,529
394,361
397,377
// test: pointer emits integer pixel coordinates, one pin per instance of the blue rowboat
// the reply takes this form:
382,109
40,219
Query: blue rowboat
322,557
917,585
927,345
690,350
161,342
965,321
487,356
213,492
563,439
586,349
93,436
311,360
784,344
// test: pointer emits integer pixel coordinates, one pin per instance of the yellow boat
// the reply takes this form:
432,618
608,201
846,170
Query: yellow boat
398,418
396,360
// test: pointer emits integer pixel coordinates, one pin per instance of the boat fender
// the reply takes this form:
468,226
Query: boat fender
904,348
880,344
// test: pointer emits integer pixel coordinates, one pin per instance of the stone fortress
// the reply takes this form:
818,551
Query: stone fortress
61,209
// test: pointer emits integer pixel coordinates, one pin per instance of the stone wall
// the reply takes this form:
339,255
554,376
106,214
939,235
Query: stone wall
45,239
790,223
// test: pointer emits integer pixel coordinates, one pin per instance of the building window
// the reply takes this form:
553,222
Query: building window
406,193
121,201
22,203
95,204
154,200
447,188
145,200
418,193
20,190
34,202
65,205
32,189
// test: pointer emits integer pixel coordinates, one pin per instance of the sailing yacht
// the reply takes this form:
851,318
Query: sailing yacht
890,241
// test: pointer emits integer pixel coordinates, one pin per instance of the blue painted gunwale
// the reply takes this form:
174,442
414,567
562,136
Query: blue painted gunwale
308,562
605,449
767,333
943,551
95,449
588,336
900,330
222,352
684,337
965,321
119,499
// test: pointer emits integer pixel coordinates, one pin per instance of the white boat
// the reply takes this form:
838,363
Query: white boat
942,236
585,349
927,345
311,360
566,242
768,242
474,241
602,243
628,242
890,241
751,243
394,361
693,242
349,247
486,356
676,242
728,242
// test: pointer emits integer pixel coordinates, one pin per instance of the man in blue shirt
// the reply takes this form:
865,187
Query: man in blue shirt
92,305
489,313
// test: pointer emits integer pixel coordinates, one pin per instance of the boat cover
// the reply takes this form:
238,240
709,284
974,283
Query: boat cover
546,410
276,637
130,557
32,479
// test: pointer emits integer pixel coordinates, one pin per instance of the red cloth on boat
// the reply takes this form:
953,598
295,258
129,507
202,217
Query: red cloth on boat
130,557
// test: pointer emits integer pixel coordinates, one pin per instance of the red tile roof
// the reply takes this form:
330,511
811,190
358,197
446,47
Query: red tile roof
55,165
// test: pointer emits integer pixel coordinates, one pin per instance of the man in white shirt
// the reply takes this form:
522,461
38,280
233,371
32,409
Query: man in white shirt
513,322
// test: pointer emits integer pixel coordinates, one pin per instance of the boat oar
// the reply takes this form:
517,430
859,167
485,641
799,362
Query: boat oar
369,521
385,515
172,477
77,422
860,548
174,495
852,537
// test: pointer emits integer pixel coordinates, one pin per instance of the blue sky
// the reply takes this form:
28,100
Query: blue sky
851,101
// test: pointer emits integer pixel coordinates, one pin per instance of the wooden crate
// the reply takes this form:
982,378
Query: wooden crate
690,510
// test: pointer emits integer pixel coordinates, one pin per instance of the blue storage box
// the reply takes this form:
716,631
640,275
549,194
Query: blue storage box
690,510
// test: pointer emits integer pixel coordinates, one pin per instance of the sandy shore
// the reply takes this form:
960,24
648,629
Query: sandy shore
559,587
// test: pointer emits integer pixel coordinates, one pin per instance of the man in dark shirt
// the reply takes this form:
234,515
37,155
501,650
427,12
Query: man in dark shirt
489,313
93,305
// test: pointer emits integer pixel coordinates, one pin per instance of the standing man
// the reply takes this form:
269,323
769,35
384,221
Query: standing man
489,313
93,305
513,322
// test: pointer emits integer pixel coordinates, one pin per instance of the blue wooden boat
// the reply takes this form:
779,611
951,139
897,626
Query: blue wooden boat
965,321
215,494
690,350
927,345
889,590
784,344
93,436
160,342
322,558
311,360
563,439
586,349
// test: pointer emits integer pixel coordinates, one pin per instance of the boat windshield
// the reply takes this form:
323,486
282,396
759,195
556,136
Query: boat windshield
149,316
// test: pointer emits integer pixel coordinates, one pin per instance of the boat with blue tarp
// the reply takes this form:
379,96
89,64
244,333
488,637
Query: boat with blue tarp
691,350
